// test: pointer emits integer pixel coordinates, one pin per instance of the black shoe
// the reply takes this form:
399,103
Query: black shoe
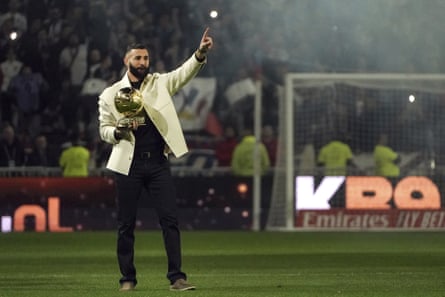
181,285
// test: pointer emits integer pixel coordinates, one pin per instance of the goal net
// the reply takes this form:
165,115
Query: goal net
358,108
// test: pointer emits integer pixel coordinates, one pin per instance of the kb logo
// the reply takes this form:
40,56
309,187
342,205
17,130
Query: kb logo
367,192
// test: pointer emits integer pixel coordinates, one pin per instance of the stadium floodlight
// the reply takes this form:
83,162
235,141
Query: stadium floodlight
213,14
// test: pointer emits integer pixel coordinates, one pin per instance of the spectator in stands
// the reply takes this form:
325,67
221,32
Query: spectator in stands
336,156
11,149
94,61
27,142
75,159
15,14
386,160
55,23
270,141
27,87
160,66
9,68
411,124
169,31
42,154
363,115
242,162
36,9
29,48
119,33
69,105
99,25
225,146
102,76
5,38
76,17
52,122
73,61
105,70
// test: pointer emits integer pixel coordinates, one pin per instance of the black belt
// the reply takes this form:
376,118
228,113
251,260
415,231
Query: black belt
149,155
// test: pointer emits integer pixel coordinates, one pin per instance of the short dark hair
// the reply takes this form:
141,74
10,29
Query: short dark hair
135,46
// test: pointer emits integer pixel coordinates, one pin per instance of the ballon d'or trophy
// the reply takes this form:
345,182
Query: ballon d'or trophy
128,101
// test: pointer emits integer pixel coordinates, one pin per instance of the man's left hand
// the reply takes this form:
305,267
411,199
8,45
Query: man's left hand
205,45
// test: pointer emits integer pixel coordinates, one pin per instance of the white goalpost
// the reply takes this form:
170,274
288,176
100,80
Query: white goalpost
410,108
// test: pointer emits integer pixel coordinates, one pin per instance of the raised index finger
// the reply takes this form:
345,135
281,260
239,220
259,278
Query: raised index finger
205,33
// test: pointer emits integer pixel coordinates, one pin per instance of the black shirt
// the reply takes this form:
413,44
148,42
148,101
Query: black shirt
147,136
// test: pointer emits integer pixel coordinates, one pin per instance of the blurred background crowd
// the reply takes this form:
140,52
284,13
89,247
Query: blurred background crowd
57,55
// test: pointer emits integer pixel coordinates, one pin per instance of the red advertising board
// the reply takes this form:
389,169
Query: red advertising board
371,219
369,202
57,204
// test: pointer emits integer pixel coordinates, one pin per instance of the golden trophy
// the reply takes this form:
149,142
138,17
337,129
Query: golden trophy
129,102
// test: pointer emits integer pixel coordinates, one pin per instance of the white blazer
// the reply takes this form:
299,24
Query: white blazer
157,91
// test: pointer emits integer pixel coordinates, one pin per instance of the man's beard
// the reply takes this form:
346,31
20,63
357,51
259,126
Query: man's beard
140,73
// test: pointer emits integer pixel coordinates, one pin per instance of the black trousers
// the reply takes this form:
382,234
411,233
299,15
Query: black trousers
154,175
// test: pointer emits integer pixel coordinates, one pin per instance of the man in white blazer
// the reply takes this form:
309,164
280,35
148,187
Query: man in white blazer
140,150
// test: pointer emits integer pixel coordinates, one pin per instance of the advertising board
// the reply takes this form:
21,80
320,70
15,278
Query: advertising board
368,202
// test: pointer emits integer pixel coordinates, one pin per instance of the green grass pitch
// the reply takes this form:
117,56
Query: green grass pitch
229,264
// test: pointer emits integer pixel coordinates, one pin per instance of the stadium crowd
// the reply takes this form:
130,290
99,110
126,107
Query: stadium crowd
57,55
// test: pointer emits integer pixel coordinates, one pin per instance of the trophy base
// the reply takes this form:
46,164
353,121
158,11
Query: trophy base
126,122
